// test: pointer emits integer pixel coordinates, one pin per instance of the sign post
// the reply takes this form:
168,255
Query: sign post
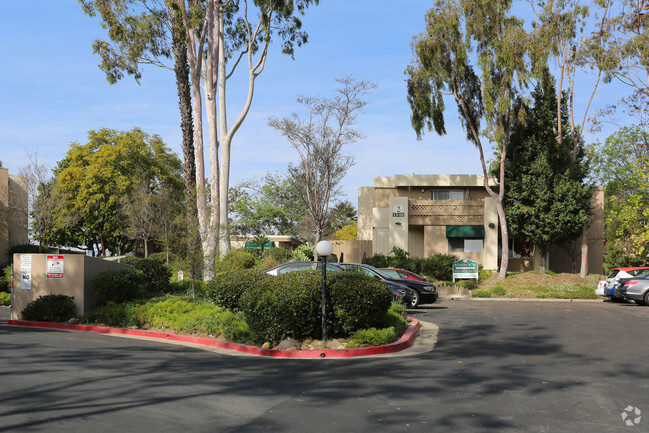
465,269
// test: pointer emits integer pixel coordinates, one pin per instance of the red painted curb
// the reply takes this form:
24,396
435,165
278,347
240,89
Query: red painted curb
406,340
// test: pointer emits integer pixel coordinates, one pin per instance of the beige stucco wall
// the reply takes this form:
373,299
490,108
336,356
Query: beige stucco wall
365,221
77,280
13,212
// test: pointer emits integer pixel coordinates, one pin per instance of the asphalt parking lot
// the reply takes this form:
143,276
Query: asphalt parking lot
497,366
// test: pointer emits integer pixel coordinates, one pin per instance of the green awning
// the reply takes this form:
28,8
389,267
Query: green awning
252,244
465,232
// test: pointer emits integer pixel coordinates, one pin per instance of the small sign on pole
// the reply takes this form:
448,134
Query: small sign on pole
465,269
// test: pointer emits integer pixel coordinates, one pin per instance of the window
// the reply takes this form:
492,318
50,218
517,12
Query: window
447,194
464,245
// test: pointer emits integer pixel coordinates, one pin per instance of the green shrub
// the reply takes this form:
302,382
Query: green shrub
275,256
236,259
498,291
184,287
395,318
50,308
358,301
302,253
372,337
484,275
469,284
377,260
177,314
5,279
157,274
226,289
286,305
118,285
481,293
5,299
439,266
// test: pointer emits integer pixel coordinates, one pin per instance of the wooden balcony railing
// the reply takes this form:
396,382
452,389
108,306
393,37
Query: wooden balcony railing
445,212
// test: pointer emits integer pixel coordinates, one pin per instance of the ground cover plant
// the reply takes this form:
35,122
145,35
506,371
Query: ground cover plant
539,284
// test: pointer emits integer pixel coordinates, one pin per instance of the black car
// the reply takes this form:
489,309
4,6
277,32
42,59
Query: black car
423,292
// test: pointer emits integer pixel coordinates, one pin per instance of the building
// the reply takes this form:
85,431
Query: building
13,212
453,214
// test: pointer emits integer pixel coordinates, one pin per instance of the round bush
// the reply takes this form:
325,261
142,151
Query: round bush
50,308
284,306
236,260
357,301
225,289
118,285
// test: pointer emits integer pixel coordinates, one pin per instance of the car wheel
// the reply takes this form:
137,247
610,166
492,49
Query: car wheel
415,299
646,298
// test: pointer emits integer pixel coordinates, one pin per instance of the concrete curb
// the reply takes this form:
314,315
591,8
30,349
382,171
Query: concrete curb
405,342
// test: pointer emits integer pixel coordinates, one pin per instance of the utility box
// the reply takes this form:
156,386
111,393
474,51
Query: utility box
36,275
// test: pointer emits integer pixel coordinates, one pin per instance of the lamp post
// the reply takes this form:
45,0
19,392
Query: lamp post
324,248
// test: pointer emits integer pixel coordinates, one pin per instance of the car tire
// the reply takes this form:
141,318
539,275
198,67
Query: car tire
646,298
415,299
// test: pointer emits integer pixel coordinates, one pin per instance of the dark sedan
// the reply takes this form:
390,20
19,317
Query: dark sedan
423,293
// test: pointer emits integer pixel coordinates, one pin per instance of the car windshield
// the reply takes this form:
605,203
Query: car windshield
614,273
391,273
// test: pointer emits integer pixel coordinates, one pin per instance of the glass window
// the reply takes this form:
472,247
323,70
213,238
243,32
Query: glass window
446,194
473,245
464,245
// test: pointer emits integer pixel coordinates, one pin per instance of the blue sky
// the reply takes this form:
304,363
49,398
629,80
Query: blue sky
53,93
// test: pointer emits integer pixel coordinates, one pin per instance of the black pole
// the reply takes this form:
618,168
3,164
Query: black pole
324,299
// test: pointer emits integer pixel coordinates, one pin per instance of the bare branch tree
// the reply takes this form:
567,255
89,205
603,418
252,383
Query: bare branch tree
319,137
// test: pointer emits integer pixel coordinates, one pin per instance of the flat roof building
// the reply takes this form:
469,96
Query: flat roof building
13,212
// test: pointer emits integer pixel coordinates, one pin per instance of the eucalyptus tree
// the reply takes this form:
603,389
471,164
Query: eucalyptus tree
475,53
222,33
147,32
319,136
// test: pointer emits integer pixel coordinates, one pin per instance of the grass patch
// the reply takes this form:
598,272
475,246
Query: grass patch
540,285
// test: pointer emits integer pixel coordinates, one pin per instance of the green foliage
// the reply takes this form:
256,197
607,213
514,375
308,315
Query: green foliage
481,293
439,266
50,308
469,284
118,285
269,206
284,306
237,259
174,313
484,275
395,318
5,299
5,279
358,301
289,305
373,337
96,179
377,260
22,249
547,202
499,290
275,256
227,288
302,253
156,275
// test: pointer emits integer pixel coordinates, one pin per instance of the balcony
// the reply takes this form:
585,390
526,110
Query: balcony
445,212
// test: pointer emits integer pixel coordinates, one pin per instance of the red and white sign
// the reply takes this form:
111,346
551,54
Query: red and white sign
55,266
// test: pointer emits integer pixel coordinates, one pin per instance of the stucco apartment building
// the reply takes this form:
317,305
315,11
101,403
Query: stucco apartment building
454,214
13,212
